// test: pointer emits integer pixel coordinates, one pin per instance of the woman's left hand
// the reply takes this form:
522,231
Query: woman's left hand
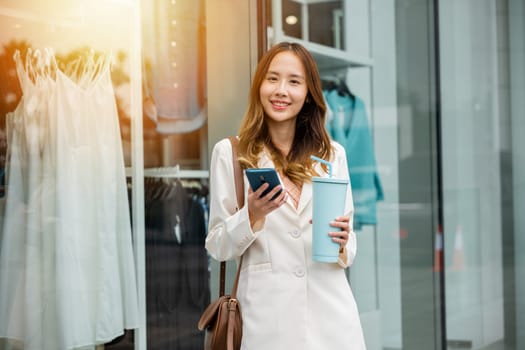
341,237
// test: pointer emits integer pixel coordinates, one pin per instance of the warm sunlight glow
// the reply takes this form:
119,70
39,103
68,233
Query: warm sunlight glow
65,24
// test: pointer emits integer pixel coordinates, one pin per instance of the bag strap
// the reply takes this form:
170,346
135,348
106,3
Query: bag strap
239,190
237,173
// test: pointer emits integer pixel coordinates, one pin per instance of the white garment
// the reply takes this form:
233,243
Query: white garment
67,275
287,300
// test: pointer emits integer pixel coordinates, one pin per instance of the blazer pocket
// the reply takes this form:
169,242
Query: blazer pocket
259,267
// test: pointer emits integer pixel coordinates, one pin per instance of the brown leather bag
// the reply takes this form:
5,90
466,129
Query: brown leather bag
222,319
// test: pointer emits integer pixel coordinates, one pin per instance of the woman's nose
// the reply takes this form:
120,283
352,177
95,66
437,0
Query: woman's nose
281,88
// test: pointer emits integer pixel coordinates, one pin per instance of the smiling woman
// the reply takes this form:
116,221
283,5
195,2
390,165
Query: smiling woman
282,128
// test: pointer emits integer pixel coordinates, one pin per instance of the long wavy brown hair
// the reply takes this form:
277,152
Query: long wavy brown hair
310,137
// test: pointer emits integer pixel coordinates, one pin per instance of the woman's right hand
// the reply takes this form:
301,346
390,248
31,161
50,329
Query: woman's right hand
259,206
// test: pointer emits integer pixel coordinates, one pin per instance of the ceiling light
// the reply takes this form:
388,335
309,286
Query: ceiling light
291,20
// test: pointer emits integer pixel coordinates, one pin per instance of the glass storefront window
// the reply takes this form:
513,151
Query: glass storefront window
175,171
67,263
481,122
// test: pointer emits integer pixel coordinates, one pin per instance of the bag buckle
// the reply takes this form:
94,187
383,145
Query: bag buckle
232,304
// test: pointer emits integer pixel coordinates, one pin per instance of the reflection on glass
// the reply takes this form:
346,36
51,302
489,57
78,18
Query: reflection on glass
174,55
483,198
177,265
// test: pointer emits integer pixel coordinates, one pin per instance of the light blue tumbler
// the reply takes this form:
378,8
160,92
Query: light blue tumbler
329,196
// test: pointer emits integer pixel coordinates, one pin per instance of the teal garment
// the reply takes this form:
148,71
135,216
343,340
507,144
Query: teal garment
348,125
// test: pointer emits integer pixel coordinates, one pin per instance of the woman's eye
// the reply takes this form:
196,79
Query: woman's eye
272,79
295,82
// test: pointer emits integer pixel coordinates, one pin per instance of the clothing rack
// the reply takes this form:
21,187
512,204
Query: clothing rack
173,172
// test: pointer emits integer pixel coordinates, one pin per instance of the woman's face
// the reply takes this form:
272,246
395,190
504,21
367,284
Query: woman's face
283,90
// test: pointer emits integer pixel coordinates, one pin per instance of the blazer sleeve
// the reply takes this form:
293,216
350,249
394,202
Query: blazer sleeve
229,230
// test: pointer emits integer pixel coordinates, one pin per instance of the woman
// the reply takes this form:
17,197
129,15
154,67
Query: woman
288,301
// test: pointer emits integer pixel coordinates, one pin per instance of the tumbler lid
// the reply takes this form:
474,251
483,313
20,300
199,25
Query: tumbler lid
329,179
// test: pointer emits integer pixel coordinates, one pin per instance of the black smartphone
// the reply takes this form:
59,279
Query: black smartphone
259,176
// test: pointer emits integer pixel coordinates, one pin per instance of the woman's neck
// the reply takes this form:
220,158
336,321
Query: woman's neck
282,138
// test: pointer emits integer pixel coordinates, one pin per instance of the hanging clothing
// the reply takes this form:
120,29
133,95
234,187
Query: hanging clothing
67,273
177,268
348,125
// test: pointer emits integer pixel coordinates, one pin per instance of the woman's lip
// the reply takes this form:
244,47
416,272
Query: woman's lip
279,106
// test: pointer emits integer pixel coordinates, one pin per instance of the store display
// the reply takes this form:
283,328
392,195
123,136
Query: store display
176,48
350,127
67,272
177,275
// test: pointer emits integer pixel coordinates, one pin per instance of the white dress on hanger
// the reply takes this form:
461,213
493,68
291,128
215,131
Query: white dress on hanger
67,272
22,260
94,179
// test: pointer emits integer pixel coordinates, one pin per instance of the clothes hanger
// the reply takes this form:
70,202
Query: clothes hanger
51,63
91,69
71,67
344,90
102,64
29,65
336,82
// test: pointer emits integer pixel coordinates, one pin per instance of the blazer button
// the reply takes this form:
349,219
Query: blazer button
295,233
299,271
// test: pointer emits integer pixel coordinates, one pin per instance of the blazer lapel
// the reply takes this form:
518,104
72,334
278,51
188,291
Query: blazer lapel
306,197
306,191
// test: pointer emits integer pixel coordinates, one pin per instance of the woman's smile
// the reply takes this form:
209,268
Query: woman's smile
279,105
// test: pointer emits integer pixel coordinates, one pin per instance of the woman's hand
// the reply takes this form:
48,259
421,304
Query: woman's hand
259,207
341,237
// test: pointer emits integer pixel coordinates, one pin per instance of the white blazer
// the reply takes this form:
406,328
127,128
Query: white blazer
288,301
